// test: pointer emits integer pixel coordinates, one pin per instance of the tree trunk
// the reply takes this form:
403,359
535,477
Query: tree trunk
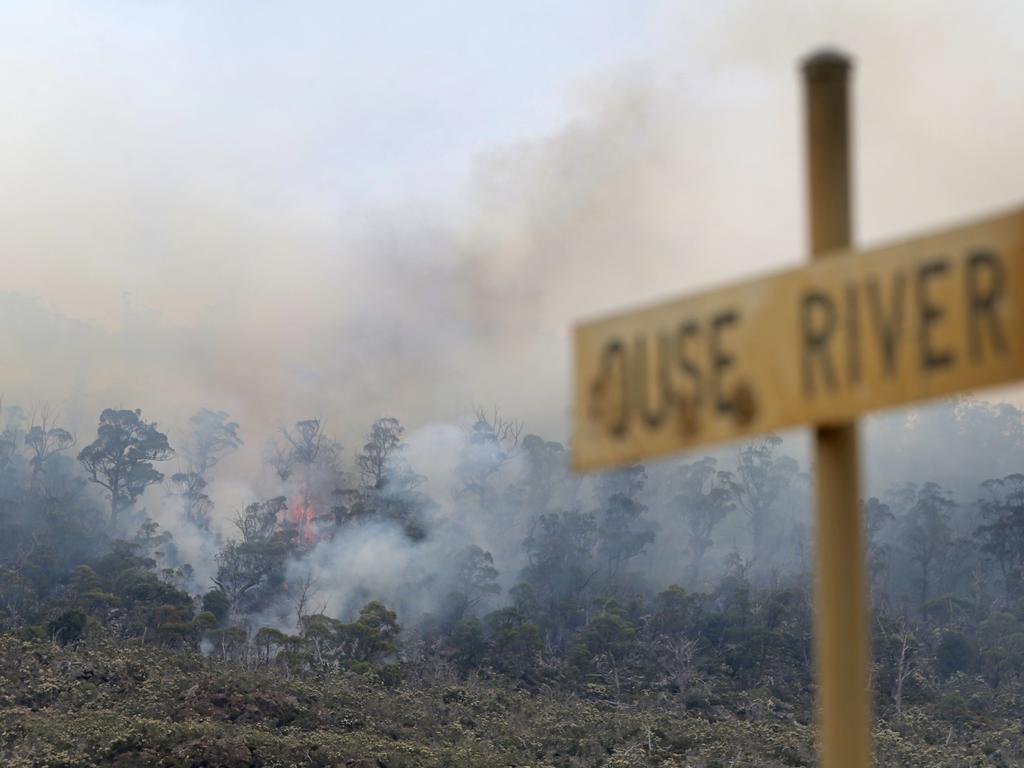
902,672
924,587
114,492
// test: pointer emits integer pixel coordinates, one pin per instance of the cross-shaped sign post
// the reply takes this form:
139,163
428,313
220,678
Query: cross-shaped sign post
850,333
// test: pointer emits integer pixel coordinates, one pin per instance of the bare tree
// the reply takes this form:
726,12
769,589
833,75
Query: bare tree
307,440
196,504
506,431
307,458
306,447
45,440
212,437
382,441
307,590
677,657
10,435
279,457
903,647
492,440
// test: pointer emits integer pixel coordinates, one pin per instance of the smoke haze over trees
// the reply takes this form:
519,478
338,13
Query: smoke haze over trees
457,520
259,279
472,548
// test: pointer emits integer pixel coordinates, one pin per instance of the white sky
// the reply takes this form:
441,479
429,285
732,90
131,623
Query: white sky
328,103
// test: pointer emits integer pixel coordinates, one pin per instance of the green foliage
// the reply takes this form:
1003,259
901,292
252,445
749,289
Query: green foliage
609,634
515,641
18,598
675,611
143,706
956,653
326,644
584,662
704,497
623,532
217,603
68,627
761,476
927,535
251,572
470,644
121,457
475,580
561,567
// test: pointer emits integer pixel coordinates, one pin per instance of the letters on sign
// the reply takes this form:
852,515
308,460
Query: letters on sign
816,345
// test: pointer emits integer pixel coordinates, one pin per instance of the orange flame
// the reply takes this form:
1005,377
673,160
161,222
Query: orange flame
301,516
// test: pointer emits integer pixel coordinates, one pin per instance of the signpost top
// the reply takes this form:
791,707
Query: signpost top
827,62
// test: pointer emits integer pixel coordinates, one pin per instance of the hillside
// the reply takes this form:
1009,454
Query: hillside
100,704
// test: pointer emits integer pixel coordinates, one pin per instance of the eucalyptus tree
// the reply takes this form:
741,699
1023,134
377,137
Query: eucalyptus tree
704,500
212,437
760,478
121,457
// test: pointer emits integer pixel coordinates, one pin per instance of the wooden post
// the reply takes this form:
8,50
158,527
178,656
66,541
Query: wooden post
841,631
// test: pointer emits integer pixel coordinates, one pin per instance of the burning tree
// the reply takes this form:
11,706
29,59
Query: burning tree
306,458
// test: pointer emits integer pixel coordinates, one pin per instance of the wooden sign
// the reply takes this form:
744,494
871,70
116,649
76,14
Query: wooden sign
820,344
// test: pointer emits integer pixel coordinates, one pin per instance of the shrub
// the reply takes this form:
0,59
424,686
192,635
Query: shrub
68,627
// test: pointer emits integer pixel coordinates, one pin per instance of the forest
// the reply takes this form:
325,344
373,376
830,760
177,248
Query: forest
456,596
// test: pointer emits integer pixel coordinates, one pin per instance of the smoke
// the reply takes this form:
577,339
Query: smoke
155,261
375,562
378,560
212,280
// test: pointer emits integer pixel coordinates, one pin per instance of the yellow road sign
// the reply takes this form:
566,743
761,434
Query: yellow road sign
820,344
